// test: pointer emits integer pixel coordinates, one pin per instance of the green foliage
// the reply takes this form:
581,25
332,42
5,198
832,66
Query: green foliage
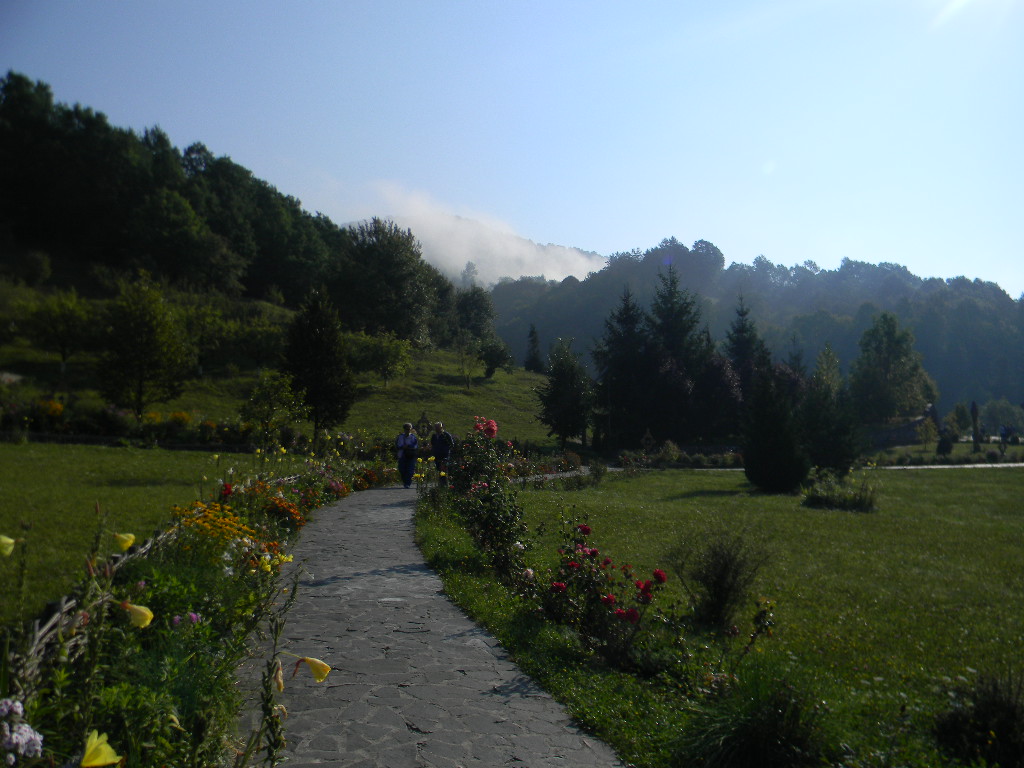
566,398
831,491
316,360
718,570
271,406
533,360
144,357
827,418
494,354
887,379
761,721
984,723
60,323
774,459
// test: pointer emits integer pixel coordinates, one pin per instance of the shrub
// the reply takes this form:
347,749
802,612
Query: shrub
851,494
718,575
605,603
985,723
763,722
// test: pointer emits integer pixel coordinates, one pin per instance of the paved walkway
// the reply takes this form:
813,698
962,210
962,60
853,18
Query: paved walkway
415,683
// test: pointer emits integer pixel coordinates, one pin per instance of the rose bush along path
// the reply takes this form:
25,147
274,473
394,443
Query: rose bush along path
414,681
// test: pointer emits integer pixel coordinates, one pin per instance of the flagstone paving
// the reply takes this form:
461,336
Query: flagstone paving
415,682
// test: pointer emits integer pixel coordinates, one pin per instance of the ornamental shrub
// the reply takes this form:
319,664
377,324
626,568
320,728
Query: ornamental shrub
607,604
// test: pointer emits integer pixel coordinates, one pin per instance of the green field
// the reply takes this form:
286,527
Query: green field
874,611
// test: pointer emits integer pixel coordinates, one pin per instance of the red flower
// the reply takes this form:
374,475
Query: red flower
632,615
490,428
226,491
659,576
557,586
573,564
608,599
584,529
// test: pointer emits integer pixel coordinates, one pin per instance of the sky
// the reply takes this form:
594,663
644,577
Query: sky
538,138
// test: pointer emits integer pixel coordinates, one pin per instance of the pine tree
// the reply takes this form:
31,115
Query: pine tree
774,459
829,423
566,397
315,357
534,361
623,374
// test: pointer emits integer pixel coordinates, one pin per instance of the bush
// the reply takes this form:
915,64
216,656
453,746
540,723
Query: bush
718,575
985,723
831,492
762,722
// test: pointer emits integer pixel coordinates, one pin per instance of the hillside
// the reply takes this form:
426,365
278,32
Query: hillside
970,333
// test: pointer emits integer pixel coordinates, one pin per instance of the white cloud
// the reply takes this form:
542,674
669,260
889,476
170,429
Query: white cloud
450,239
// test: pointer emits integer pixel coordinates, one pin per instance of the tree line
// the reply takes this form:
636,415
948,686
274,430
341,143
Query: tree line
969,333
659,376
85,204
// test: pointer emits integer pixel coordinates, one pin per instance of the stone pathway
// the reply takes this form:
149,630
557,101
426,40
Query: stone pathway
415,683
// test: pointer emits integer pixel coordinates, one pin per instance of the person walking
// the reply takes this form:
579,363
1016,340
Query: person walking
407,444
442,443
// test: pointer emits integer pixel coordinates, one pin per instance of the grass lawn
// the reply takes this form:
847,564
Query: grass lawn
874,611
49,493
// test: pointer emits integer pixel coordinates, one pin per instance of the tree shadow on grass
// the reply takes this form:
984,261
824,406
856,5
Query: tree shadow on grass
712,493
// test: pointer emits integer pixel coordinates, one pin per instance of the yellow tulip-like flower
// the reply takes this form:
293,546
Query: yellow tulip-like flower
6,546
140,615
278,676
124,540
319,669
98,752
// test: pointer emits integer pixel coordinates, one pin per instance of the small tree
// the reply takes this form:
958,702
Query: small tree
774,458
494,354
60,323
315,358
829,423
272,405
145,359
533,362
566,399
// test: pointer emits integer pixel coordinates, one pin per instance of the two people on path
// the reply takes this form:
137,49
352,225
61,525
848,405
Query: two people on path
442,444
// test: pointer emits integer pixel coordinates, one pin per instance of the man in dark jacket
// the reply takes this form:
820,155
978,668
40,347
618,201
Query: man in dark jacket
442,444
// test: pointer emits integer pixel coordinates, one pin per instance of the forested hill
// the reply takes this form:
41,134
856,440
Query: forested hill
970,333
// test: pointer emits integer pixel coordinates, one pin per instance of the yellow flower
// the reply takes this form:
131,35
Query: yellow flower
317,667
140,615
278,676
124,540
6,546
98,752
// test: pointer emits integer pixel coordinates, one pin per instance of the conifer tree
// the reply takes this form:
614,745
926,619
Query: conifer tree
566,397
774,458
316,360
534,361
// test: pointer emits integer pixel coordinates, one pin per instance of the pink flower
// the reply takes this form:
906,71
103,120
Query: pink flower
583,528
490,428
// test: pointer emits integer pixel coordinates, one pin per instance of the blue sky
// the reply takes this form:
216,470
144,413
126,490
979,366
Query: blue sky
876,130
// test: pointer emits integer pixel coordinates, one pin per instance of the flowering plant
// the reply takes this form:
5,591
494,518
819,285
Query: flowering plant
606,603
